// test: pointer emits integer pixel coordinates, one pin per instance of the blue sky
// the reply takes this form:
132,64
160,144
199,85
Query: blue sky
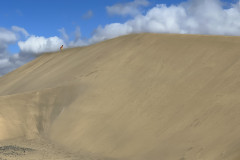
31,27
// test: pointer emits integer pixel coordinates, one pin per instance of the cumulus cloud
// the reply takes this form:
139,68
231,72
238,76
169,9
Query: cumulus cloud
36,45
29,48
191,17
11,62
130,8
7,36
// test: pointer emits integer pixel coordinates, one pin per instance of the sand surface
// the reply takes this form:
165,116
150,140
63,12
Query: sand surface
136,97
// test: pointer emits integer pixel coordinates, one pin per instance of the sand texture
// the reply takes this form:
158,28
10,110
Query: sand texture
135,97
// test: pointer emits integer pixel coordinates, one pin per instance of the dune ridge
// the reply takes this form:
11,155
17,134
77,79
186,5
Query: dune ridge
136,97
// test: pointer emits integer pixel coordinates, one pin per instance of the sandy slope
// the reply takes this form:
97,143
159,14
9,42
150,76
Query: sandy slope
142,96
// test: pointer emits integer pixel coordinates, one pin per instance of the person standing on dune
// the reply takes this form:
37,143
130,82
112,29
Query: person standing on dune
61,48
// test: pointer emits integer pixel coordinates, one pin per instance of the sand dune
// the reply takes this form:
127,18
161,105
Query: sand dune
136,97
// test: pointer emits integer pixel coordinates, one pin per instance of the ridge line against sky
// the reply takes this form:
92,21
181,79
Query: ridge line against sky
44,26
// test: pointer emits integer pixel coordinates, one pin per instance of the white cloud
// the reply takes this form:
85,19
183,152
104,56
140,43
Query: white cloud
64,34
78,41
110,31
9,62
29,48
21,30
36,45
191,17
130,8
7,36
4,62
